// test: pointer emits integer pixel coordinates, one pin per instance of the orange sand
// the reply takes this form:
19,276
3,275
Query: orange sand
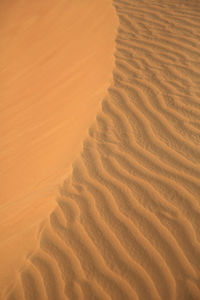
52,79
126,223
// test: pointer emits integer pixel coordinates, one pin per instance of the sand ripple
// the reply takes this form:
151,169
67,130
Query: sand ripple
127,223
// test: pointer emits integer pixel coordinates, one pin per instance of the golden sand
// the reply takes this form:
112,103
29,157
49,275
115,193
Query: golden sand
52,81
126,223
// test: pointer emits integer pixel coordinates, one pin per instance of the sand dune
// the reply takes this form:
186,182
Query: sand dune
127,220
47,71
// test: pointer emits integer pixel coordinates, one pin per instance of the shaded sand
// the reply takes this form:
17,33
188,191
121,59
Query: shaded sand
127,221
52,80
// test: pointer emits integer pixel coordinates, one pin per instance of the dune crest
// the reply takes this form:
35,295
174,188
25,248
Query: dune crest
127,220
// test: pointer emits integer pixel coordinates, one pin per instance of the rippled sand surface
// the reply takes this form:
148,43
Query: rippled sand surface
126,223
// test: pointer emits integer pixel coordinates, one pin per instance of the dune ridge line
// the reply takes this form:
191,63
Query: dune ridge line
127,221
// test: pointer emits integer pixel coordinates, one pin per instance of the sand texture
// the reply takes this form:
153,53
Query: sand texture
127,221
56,62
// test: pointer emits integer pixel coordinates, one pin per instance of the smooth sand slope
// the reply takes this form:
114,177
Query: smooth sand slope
56,61
127,221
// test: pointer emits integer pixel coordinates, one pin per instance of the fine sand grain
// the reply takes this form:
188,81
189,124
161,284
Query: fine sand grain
127,221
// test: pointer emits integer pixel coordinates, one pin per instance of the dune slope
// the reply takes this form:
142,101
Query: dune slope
52,79
127,220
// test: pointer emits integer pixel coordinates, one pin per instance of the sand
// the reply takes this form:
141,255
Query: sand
126,220
52,81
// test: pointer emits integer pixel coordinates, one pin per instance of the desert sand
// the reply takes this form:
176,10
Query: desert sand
56,65
127,216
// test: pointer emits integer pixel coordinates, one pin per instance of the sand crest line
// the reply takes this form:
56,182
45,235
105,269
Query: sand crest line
127,220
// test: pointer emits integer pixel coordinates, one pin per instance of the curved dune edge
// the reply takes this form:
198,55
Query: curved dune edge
56,62
126,225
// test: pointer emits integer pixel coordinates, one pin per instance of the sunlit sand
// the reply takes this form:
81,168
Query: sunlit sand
100,134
